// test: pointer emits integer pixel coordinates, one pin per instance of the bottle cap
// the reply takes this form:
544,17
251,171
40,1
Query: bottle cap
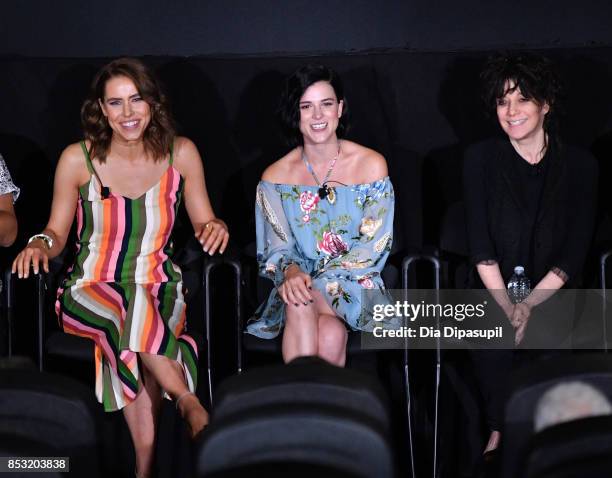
519,269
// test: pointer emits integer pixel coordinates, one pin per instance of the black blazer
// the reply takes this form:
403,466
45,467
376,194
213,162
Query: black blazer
495,210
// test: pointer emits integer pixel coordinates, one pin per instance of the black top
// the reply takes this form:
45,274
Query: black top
539,216
532,178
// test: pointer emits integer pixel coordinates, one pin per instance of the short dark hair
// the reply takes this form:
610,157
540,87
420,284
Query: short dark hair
160,132
534,75
295,86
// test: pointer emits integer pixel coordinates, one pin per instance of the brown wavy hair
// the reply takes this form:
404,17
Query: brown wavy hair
160,132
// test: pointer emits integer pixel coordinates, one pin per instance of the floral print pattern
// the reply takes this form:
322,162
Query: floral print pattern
366,282
369,226
6,183
332,244
343,246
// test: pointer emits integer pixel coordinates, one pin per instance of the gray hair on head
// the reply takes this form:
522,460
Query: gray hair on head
569,401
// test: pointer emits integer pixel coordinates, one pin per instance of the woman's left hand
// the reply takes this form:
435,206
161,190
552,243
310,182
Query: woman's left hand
213,236
520,319
520,314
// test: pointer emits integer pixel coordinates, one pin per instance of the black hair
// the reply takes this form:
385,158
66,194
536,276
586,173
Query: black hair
295,86
534,75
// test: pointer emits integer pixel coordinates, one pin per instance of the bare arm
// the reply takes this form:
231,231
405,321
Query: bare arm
210,231
546,288
549,284
491,277
70,172
8,220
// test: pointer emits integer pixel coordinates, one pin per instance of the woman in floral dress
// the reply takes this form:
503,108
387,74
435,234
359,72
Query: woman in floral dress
324,224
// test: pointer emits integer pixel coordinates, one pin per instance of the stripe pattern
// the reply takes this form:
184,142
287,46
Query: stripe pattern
123,291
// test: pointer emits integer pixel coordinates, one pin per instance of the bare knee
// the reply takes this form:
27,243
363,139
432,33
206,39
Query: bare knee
332,339
300,334
332,335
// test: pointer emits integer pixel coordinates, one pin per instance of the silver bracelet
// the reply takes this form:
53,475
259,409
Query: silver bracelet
43,237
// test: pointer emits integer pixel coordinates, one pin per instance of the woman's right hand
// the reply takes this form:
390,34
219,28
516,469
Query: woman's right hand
34,254
508,308
296,287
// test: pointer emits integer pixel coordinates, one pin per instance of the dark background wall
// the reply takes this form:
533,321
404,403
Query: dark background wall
410,70
86,28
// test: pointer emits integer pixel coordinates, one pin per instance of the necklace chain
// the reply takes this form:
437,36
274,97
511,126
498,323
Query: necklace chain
329,171
539,155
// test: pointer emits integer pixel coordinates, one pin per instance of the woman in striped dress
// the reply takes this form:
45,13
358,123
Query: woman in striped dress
125,183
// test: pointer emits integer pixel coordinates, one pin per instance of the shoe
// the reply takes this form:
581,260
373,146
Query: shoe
490,456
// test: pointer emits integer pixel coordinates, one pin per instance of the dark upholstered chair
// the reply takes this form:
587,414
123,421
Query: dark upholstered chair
577,449
307,415
529,385
51,414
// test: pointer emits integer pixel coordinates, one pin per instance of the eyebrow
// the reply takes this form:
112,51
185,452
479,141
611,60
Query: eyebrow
324,99
113,98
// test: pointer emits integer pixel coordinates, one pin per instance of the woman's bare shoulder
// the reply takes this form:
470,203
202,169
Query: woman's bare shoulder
74,153
186,157
280,171
183,146
371,164
72,163
185,150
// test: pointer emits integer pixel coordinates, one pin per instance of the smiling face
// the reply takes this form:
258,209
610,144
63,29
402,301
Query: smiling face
128,114
521,118
320,111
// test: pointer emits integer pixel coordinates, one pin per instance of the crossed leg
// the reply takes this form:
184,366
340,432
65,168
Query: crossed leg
169,376
141,417
314,329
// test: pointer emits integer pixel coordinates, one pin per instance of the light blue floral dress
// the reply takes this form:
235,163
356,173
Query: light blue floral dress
343,246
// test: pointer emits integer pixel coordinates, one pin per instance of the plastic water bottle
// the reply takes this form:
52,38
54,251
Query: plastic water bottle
519,286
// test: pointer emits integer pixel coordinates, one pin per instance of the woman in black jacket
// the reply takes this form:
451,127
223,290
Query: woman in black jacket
530,201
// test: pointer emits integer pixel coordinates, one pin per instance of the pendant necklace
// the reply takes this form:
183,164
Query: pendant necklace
325,191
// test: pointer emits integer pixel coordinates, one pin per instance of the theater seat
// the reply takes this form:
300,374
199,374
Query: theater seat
304,381
286,438
17,446
577,449
307,415
50,412
529,385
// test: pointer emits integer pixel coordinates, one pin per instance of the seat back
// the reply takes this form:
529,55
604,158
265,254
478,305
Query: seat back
289,437
7,297
604,261
18,446
454,247
306,413
305,381
529,385
54,412
576,449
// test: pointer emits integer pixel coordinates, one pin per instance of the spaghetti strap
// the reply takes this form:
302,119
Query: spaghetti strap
103,190
90,167
171,153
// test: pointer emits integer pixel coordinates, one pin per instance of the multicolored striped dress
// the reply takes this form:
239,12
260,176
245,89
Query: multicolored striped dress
123,291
